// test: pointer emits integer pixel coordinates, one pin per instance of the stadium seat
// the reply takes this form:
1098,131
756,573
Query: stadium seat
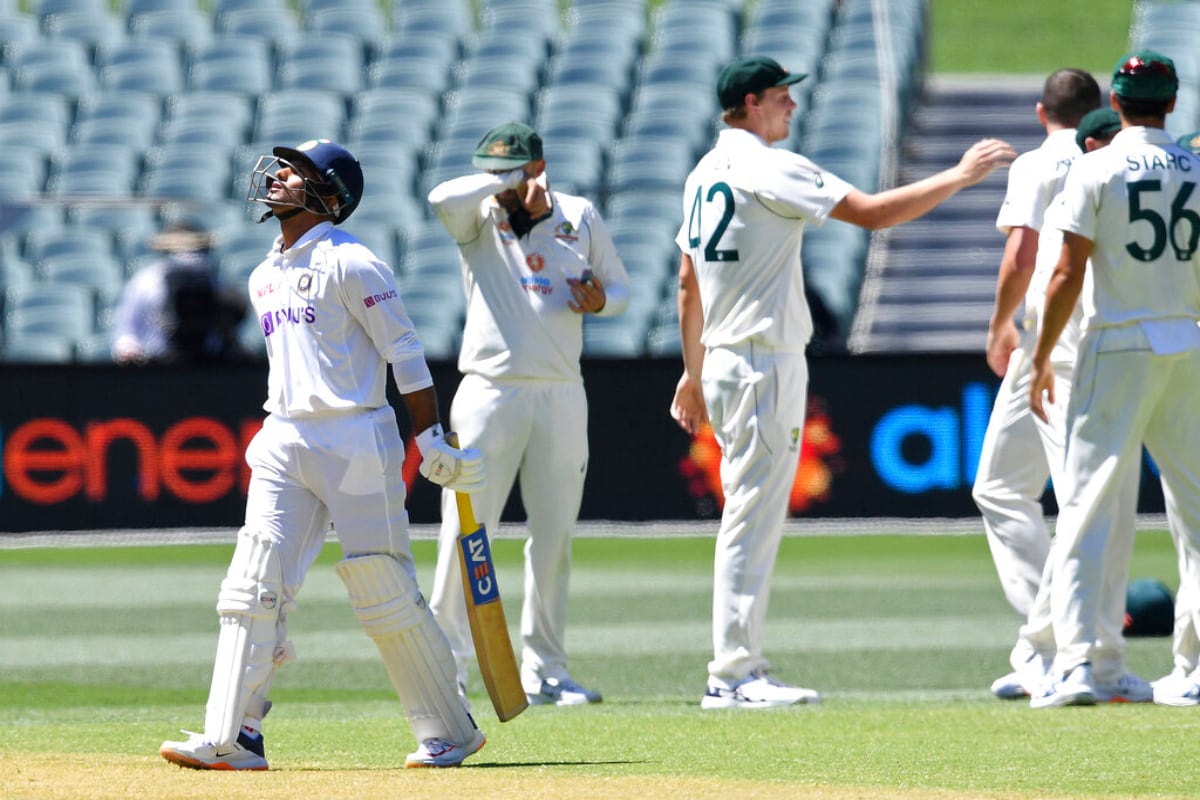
98,168
37,347
17,31
187,172
232,109
379,237
602,109
648,162
323,60
47,8
97,272
93,30
298,114
278,28
49,309
219,7
239,248
575,165
134,8
136,114
365,22
428,74
63,79
183,27
22,176
237,63
41,245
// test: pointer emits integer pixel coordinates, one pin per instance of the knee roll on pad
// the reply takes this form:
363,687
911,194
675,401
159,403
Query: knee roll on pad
415,651
252,641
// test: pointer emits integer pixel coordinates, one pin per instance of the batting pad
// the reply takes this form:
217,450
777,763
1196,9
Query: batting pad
415,651
252,640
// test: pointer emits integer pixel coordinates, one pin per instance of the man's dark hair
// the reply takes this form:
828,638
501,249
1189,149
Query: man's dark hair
1069,94
1133,108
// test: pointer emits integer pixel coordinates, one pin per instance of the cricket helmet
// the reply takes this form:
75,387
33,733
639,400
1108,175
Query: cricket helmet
340,176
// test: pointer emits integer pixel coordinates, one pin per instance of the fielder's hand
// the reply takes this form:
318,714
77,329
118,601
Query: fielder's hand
447,466
982,158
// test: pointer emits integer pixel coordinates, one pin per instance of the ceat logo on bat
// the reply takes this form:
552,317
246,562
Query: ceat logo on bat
480,572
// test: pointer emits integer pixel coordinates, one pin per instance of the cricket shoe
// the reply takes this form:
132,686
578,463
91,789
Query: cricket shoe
198,753
1023,681
563,692
1076,688
1177,689
1128,688
1009,687
759,690
436,752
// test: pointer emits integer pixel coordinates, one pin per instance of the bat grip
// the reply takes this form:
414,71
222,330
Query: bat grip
466,514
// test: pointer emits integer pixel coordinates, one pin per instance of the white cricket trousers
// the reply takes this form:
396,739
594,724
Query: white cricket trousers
305,474
1015,461
534,432
1124,396
756,399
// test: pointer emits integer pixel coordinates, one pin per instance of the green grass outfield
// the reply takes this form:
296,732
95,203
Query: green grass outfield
104,652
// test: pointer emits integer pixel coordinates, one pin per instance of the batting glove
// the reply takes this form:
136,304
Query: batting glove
449,467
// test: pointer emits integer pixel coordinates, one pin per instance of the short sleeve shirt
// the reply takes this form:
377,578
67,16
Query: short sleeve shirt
745,206
1137,201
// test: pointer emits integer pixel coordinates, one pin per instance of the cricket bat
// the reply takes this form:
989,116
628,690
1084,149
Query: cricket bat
485,611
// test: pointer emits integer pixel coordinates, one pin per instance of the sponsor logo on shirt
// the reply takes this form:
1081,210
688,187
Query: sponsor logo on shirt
293,315
535,262
537,285
375,299
506,232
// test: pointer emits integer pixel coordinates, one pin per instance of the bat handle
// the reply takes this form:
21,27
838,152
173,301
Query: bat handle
466,514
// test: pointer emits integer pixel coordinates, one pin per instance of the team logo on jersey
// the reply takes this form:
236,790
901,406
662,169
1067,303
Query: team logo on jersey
818,180
535,262
566,231
305,283
375,299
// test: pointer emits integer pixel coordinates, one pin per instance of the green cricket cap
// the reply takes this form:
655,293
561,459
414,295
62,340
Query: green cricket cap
1145,75
508,146
1149,608
751,75
1099,123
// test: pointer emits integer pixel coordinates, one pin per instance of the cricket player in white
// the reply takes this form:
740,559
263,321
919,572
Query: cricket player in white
534,263
1011,477
1132,208
1017,457
745,324
330,452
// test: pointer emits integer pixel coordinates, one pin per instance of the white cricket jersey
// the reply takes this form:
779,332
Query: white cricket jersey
1144,186
333,320
1034,182
745,206
518,323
